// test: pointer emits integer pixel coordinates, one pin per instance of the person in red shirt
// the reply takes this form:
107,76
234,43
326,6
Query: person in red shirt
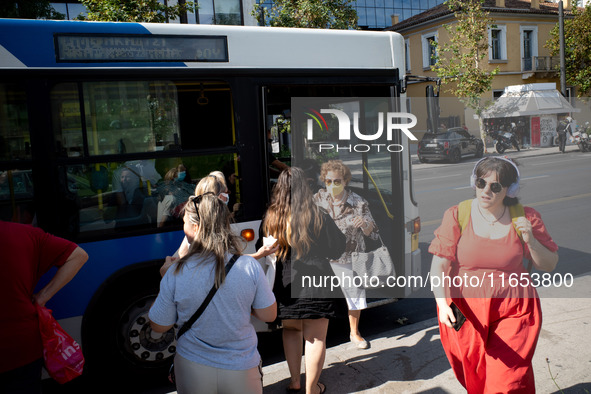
492,351
27,254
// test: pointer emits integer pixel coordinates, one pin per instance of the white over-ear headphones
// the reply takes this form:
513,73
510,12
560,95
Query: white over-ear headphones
512,190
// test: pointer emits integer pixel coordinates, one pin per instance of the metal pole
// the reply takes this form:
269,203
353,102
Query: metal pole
562,49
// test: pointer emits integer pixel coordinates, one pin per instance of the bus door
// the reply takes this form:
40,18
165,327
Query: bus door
377,174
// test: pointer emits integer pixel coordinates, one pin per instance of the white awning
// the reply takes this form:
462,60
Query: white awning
529,100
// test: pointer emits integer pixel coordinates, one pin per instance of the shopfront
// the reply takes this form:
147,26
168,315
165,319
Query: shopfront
532,111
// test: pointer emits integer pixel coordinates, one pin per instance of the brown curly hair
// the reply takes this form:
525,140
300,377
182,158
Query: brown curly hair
335,166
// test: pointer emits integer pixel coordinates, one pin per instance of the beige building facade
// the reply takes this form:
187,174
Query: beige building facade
516,46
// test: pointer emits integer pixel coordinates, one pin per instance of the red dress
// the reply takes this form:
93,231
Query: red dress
493,350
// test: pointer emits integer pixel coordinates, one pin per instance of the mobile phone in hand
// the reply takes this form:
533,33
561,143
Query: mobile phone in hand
460,318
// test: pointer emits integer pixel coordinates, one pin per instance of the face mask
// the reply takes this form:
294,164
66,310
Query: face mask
335,190
225,198
182,175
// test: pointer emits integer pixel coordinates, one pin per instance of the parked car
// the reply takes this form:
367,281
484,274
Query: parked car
451,144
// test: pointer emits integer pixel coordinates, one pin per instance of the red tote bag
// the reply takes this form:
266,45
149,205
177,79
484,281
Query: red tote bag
62,354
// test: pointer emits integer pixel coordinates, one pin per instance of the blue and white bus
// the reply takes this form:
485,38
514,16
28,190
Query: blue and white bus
82,102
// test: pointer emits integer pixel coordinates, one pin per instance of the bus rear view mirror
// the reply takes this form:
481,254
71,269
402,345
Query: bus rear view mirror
432,109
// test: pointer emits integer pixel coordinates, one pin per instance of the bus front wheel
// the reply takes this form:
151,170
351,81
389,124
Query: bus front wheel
116,334
136,339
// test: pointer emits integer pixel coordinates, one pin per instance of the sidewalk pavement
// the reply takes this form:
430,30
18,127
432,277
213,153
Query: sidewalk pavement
410,359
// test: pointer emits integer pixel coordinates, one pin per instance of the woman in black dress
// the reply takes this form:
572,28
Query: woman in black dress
307,240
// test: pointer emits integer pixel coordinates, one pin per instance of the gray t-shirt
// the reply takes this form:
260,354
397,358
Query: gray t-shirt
223,336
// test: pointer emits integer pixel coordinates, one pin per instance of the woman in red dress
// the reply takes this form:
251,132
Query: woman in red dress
492,351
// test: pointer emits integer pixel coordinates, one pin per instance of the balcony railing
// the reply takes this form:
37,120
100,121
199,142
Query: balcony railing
540,63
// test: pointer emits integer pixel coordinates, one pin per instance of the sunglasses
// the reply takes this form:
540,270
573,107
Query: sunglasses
337,182
197,200
495,187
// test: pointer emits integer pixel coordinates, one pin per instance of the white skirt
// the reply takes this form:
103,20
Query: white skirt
355,296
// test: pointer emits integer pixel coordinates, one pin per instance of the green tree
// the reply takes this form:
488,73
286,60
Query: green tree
460,62
322,14
29,9
577,54
133,10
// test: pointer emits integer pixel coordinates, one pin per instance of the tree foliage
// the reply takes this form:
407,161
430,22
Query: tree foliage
29,9
577,54
327,14
133,10
460,62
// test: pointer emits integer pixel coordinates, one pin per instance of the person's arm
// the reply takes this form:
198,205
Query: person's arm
181,252
542,258
168,261
440,268
264,251
163,309
183,249
64,274
364,220
368,226
279,165
158,328
267,314
365,225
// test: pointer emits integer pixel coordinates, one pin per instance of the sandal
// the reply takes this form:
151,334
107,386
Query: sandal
293,391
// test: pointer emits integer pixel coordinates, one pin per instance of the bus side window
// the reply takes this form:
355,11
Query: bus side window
118,117
15,141
206,123
16,196
16,183
67,120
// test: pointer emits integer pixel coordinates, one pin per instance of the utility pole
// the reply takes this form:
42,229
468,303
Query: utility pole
562,49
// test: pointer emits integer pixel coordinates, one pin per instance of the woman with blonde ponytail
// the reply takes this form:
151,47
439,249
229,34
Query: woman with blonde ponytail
214,184
306,238
219,351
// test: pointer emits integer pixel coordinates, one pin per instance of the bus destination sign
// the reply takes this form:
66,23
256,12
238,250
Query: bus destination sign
81,48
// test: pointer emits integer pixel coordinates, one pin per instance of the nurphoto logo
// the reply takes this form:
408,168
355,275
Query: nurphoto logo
393,121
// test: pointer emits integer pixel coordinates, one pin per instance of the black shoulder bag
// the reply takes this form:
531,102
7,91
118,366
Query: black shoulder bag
189,323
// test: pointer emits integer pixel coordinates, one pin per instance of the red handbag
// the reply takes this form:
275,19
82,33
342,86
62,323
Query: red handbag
62,354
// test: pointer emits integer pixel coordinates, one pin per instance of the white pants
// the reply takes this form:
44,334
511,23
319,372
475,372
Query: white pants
193,378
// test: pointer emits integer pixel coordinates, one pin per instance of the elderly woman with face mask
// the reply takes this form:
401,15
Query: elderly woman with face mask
351,214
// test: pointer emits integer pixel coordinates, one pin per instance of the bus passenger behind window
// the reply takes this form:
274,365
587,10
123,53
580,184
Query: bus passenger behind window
173,194
233,183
